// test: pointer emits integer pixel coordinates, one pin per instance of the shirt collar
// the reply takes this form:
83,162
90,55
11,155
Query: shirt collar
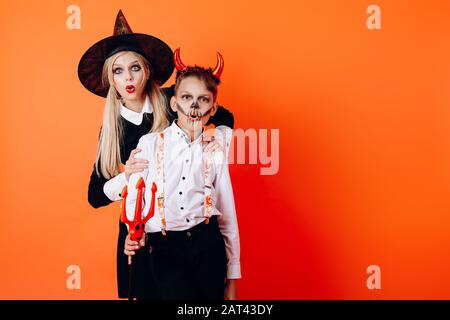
177,133
133,116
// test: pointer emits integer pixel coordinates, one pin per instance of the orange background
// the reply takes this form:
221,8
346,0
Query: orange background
364,125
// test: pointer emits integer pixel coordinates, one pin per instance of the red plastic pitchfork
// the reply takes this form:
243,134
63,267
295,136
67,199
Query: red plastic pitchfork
137,225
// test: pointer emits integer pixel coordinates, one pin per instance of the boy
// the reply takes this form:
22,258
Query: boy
192,237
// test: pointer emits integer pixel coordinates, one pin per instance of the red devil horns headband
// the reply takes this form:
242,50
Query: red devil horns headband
216,71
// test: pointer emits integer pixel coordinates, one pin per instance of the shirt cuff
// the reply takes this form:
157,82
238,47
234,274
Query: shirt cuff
113,187
234,271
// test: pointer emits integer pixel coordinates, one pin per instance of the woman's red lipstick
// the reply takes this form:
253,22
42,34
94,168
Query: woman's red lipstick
130,89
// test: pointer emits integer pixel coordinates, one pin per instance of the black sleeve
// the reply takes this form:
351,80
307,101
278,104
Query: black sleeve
168,92
222,116
96,197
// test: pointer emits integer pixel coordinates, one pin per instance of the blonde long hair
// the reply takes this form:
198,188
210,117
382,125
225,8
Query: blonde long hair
111,135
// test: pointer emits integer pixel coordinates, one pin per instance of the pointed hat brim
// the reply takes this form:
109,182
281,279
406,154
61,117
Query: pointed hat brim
158,54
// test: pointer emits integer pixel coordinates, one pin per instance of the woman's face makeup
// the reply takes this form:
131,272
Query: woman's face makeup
193,103
128,77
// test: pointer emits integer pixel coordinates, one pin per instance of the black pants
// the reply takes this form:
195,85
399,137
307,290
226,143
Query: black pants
188,264
122,262
143,285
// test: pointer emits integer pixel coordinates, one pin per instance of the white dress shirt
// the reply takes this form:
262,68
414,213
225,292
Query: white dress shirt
113,187
184,192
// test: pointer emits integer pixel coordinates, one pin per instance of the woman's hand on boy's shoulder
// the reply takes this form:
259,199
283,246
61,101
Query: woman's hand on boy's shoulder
211,145
134,165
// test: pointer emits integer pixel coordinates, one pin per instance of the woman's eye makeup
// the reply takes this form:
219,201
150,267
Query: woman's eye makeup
134,68
186,96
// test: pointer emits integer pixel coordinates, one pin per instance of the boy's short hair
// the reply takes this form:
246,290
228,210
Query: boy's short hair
211,81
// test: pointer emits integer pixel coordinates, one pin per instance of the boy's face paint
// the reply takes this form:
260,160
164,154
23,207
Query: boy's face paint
194,111
194,104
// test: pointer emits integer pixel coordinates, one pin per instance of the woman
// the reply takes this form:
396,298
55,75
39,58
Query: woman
128,69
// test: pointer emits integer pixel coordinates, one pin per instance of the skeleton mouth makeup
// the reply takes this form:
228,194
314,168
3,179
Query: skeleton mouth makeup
194,114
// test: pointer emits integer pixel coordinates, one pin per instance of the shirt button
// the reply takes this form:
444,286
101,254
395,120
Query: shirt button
182,208
187,220
187,161
188,234
184,178
181,193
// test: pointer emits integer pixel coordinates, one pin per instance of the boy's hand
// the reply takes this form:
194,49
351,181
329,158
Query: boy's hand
230,290
134,165
131,246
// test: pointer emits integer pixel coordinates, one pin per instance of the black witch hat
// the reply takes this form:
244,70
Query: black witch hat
158,54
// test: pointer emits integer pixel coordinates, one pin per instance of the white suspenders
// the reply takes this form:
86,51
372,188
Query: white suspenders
160,181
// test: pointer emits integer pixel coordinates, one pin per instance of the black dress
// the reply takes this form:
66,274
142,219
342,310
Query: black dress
97,198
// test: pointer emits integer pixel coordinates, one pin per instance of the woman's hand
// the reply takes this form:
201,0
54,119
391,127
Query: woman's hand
230,290
134,165
131,246
210,144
